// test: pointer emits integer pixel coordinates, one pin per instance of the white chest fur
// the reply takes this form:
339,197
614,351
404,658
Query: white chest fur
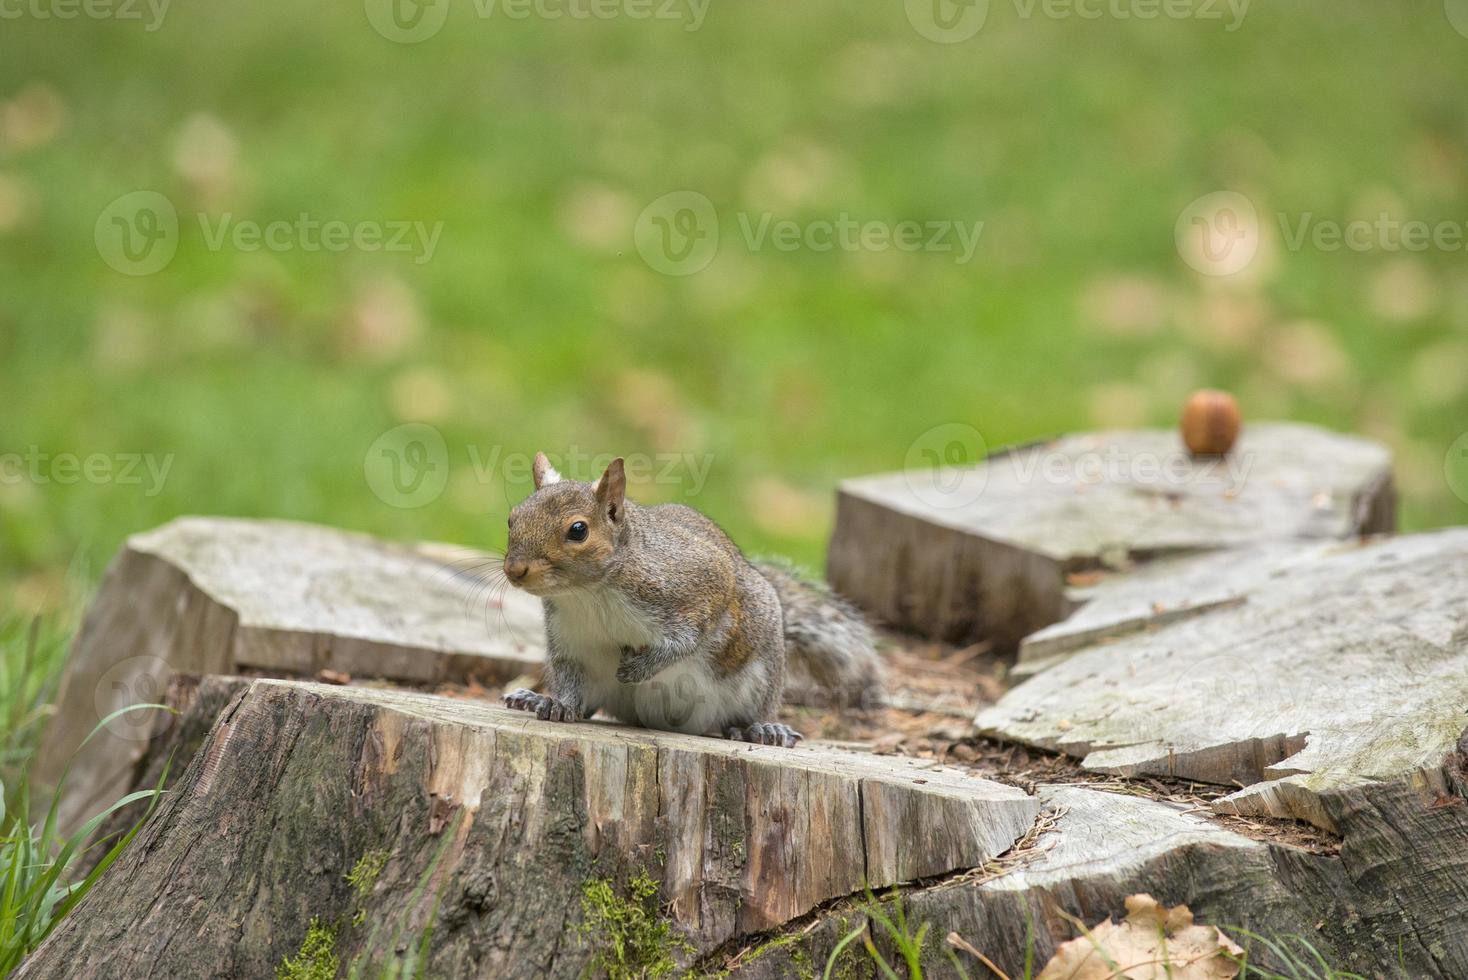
591,628
587,625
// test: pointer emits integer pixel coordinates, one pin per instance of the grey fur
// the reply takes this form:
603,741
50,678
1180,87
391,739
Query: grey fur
831,653
655,616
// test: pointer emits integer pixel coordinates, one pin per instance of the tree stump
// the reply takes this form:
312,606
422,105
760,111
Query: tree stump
1327,670
984,552
1391,900
490,826
218,596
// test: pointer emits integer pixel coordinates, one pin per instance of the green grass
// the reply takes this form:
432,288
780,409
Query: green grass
42,874
1296,957
31,653
39,879
537,325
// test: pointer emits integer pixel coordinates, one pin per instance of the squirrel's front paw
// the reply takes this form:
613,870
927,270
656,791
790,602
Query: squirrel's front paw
546,708
635,667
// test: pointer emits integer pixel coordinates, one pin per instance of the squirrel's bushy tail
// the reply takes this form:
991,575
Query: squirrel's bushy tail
830,651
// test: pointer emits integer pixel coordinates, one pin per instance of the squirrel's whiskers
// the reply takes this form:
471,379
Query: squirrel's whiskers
480,574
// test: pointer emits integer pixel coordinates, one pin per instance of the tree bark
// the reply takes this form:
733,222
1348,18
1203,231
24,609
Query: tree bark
1391,901
492,823
219,596
984,552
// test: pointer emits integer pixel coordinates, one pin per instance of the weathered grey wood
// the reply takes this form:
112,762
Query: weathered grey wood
1159,592
983,552
1341,670
1393,898
217,596
195,703
496,821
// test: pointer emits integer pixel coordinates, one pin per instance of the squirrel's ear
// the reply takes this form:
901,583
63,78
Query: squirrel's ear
545,474
611,489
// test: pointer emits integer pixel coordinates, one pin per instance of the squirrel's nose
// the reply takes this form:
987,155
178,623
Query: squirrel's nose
516,568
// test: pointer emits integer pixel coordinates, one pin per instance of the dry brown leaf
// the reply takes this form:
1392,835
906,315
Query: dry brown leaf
1154,943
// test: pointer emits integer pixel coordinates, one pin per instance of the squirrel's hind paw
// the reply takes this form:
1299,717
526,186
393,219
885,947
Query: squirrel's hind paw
546,708
766,733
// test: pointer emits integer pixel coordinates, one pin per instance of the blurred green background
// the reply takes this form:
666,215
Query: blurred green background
263,378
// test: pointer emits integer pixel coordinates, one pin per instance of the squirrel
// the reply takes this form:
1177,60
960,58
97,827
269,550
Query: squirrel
656,617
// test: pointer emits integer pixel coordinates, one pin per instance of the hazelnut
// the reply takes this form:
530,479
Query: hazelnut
1210,422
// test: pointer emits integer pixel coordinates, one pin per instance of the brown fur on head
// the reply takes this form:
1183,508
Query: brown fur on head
563,535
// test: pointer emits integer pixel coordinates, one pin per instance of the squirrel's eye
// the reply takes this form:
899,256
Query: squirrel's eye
577,531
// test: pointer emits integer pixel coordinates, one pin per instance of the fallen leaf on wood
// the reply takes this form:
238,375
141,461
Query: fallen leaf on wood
1154,943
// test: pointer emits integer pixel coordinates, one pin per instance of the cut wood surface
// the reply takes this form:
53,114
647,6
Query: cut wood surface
1342,669
983,552
491,824
216,595
731,837
1391,900
1159,592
